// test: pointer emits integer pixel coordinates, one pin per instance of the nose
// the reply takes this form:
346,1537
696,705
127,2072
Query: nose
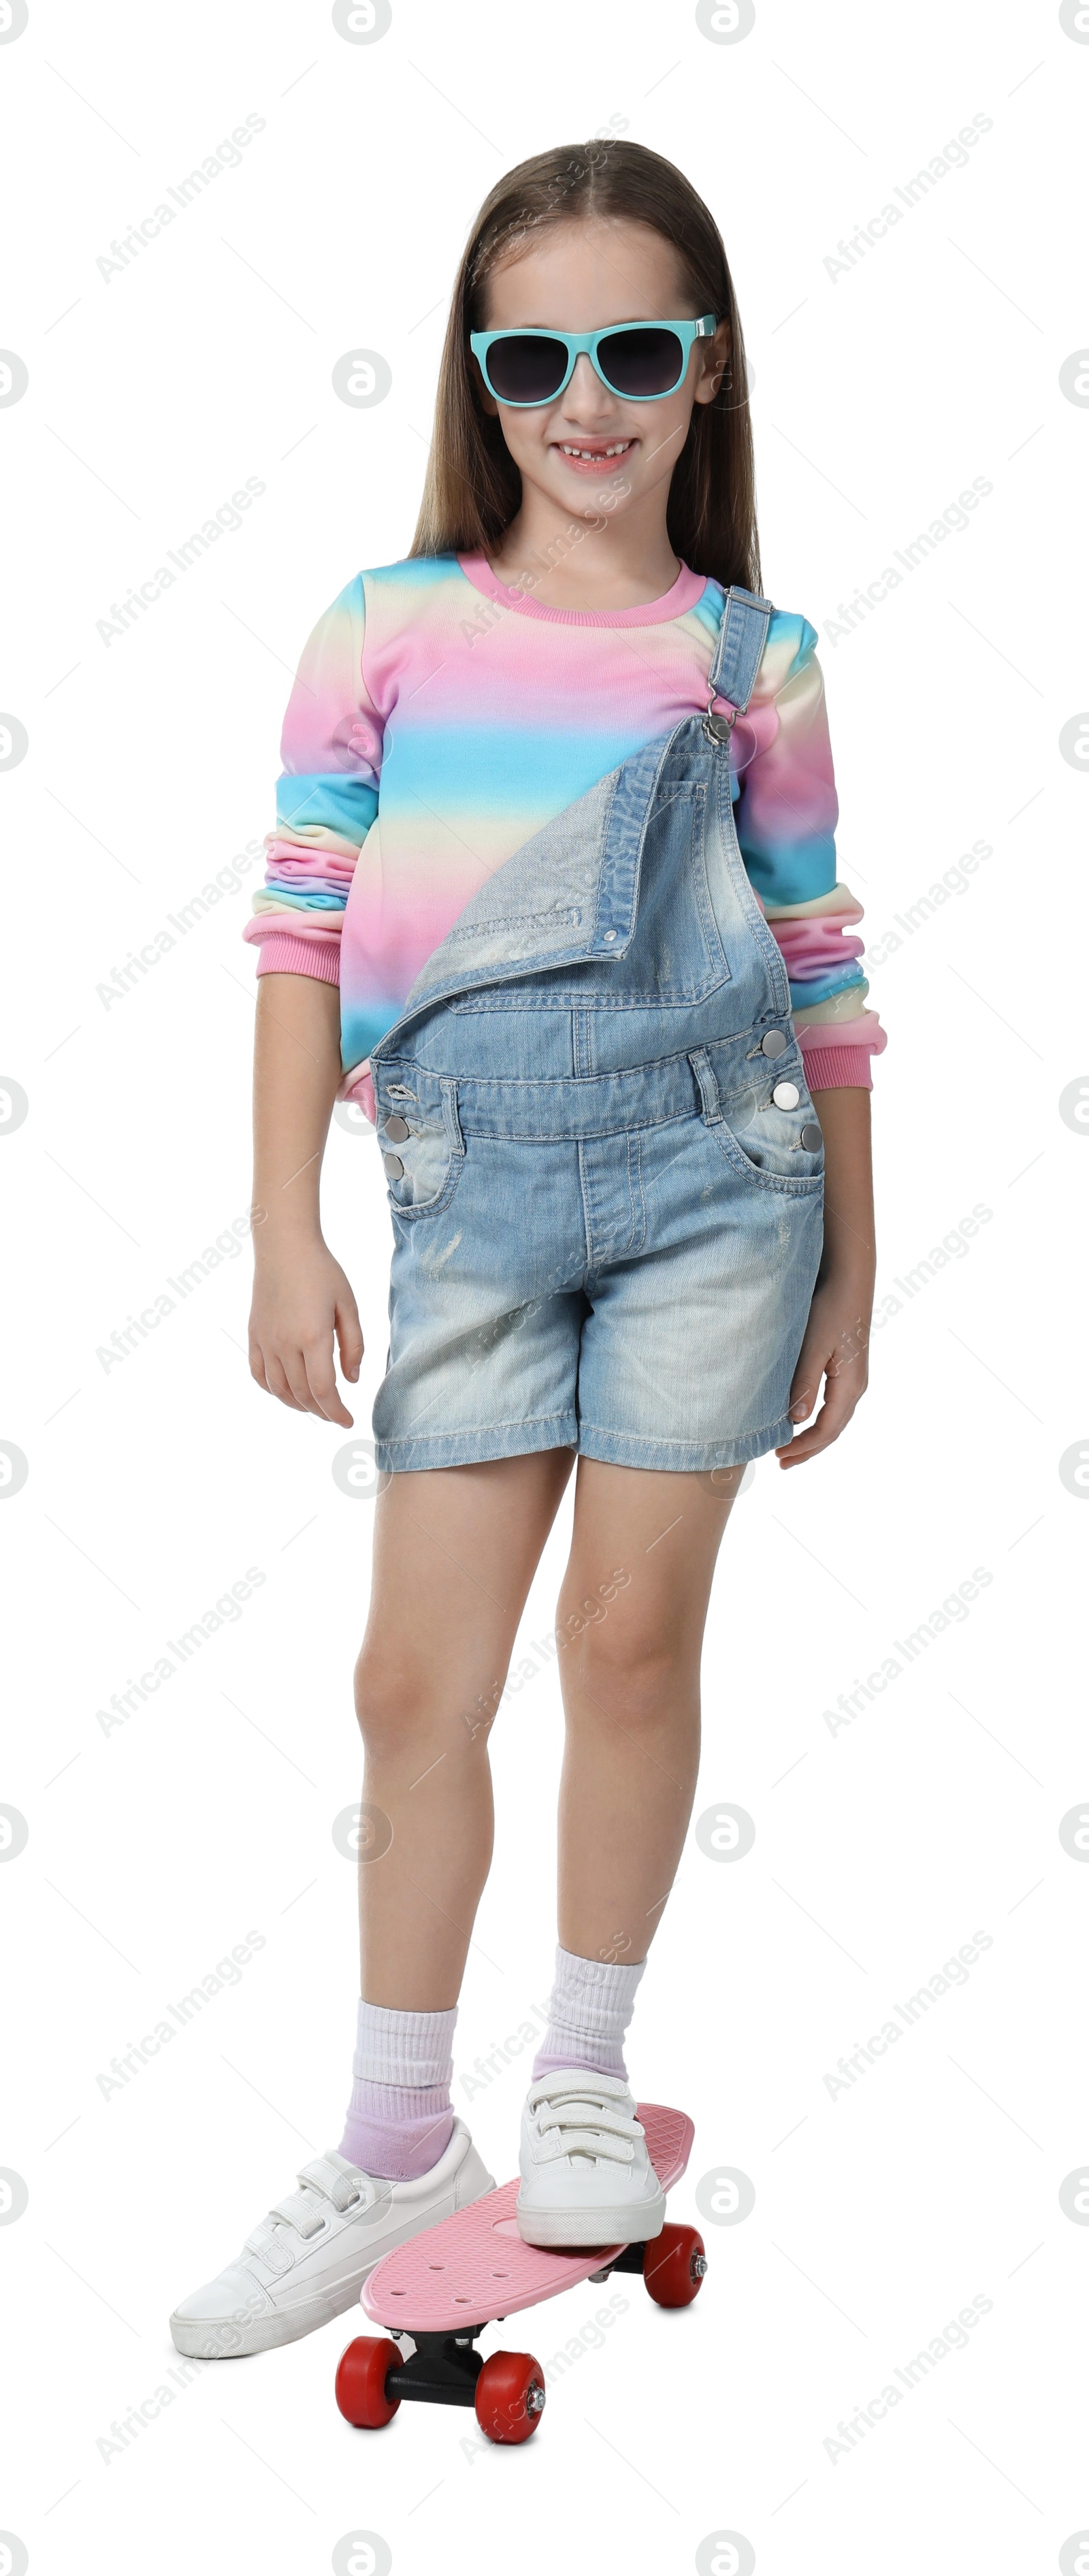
587,397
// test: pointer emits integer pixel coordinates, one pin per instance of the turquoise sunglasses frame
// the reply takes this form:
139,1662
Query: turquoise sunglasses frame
587,344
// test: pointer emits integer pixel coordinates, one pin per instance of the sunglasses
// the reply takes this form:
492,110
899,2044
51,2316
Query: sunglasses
640,361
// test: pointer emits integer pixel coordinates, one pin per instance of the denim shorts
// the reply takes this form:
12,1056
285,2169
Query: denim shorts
620,1264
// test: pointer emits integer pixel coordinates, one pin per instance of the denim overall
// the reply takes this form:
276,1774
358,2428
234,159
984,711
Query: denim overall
604,1166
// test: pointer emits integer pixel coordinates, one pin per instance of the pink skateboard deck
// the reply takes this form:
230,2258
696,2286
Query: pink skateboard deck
474,2267
439,2292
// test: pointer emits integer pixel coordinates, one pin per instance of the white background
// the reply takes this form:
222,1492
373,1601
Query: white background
156,1482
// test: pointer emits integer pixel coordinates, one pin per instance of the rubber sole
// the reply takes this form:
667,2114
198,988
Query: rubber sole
590,2227
211,2338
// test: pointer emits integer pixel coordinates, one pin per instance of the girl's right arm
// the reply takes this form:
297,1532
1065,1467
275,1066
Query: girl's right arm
301,1296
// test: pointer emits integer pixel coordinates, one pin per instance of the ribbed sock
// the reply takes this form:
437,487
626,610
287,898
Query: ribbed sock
588,2014
399,2120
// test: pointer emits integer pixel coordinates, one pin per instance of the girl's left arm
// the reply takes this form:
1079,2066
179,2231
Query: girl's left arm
787,816
837,1336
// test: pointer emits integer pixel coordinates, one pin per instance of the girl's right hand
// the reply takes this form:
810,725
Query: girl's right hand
301,1297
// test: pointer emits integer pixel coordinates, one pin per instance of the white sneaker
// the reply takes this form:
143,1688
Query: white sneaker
587,2178
308,2258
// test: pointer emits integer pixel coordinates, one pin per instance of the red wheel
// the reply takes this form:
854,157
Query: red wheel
674,2266
510,2394
361,2381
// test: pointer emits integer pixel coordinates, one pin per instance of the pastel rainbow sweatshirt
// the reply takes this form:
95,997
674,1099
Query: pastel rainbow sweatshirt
439,718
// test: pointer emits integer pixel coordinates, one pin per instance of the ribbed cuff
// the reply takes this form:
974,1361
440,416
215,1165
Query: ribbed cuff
588,2014
395,2047
828,1068
598,1988
283,954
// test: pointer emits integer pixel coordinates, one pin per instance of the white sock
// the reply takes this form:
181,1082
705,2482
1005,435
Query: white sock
399,2121
588,2014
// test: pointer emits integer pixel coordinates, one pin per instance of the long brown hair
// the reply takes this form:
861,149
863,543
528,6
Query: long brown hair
473,486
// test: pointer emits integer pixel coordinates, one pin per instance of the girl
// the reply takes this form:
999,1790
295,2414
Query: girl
555,828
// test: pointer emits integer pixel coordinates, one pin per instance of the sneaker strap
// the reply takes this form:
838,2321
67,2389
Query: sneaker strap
322,2187
558,2109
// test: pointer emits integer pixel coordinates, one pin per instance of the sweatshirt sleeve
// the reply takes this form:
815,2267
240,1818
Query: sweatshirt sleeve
787,811
326,800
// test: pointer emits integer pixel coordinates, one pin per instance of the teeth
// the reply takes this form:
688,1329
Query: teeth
595,454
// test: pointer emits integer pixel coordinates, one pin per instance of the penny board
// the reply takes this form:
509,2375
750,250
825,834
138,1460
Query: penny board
474,2267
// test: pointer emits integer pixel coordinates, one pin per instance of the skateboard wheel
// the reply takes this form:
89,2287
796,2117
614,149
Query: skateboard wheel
510,2395
361,2381
674,2266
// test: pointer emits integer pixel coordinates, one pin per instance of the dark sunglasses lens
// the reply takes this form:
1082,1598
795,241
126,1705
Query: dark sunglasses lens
525,370
638,363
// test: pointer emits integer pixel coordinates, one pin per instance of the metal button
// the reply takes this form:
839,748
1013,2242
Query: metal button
812,1139
786,1095
774,1043
393,1165
397,1128
609,937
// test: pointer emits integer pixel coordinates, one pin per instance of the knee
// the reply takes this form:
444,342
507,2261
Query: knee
387,1706
404,1707
631,1666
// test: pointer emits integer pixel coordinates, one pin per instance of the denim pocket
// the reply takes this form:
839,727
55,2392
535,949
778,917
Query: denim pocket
765,1141
424,1164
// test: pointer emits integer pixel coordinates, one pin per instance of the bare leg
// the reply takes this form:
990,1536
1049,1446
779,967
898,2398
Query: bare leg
455,1551
630,1675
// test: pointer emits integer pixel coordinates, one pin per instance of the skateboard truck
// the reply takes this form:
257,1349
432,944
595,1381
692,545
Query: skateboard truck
634,2259
631,2260
443,2368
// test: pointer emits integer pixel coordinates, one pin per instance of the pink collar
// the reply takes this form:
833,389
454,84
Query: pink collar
686,590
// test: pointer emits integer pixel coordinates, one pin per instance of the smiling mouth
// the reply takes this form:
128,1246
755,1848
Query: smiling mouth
594,454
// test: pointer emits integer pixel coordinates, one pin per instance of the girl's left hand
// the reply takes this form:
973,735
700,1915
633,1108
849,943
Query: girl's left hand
835,1347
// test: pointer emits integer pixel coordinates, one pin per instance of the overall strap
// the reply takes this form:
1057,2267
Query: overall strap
741,639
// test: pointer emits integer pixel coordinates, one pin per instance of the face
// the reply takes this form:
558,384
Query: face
591,449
